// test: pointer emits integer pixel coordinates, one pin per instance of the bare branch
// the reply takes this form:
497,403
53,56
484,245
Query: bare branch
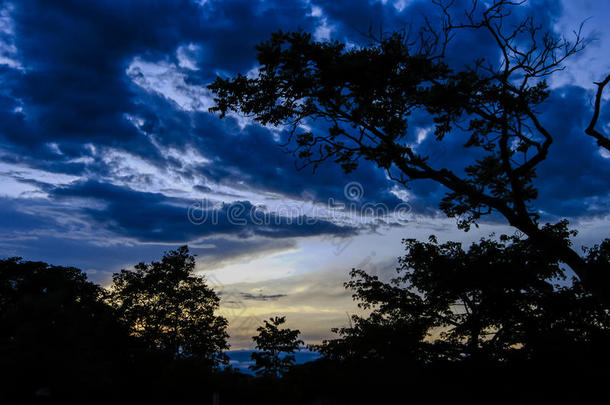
602,140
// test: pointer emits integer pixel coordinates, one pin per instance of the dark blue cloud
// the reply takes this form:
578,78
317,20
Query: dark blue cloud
575,178
153,217
75,91
71,99
36,230
253,158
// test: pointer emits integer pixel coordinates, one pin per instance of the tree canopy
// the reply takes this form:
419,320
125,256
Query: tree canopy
362,97
500,300
498,315
276,346
170,308
55,331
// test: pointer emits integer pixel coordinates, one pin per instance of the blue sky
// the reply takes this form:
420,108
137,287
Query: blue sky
105,143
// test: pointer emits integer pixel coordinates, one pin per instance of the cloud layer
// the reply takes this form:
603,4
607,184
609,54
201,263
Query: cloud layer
105,138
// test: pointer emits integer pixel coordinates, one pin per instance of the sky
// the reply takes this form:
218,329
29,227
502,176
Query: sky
109,156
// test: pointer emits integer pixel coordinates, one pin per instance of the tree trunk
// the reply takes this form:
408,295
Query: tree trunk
594,280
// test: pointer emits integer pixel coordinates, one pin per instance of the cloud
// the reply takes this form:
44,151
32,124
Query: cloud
105,140
261,297
574,180
94,84
153,217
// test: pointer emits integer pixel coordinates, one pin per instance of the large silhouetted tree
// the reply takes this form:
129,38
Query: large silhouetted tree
172,309
500,300
276,347
58,338
363,96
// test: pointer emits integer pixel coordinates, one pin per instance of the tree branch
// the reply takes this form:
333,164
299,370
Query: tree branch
602,140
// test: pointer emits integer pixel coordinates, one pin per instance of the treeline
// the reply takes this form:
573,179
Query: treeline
498,322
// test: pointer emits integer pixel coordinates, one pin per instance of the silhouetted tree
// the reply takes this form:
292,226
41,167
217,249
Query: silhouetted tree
58,338
172,309
501,300
276,348
364,96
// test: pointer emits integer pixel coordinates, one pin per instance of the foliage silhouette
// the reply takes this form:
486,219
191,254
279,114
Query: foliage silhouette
171,309
276,347
501,301
527,328
62,343
364,97
57,336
